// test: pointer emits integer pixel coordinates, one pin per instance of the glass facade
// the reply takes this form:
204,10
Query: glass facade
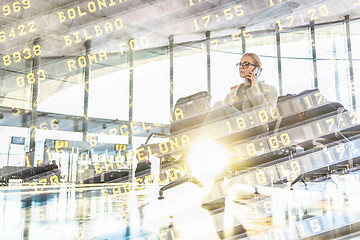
102,103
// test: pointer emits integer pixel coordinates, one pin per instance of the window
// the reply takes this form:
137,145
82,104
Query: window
296,61
109,93
58,85
333,65
355,49
190,71
152,90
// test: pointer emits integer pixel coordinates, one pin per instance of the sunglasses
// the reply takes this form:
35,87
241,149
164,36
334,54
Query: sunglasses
245,65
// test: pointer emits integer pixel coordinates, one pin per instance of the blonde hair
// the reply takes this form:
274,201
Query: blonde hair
255,57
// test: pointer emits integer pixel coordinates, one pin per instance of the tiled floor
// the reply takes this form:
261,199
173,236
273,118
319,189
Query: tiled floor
72,212
87,212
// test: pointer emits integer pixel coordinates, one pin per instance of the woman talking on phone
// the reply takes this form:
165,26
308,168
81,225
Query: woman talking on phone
251,94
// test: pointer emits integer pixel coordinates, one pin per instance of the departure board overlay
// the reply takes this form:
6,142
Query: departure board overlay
146,119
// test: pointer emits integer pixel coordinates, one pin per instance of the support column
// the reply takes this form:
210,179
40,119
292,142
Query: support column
336,73
208,51
243,42
278,56
313,46
131,90
171,56
34,104
131,103
351,68
86,92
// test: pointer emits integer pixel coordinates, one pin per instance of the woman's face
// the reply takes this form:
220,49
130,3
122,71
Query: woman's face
244,72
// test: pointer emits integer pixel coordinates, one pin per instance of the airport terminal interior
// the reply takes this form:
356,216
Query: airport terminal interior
115,121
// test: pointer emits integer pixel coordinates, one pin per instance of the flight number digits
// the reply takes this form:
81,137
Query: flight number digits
53,180
312,15
191,2
30,78
25,54
215,44
15,7
284,140
228,13
272,2
19,31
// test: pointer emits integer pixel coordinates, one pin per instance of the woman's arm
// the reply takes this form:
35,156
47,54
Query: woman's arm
259,96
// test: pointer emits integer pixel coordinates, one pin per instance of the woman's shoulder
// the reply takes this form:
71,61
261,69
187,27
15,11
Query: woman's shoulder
266,87
262,82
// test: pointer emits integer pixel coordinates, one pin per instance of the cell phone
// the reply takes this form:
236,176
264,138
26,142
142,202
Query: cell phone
256,72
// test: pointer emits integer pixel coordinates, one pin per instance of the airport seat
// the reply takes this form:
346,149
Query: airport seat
306,111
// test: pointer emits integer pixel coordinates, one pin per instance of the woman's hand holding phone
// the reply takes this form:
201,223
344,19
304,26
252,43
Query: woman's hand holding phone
253,76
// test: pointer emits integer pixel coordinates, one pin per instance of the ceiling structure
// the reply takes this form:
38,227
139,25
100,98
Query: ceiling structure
157,20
